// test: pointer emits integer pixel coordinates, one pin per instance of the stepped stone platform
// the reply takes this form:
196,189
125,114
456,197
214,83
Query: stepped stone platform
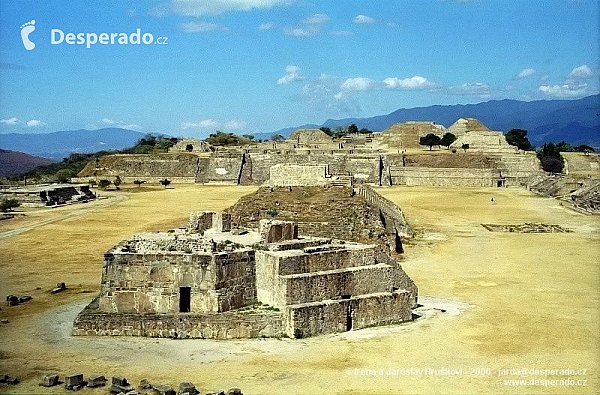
212,280
49,195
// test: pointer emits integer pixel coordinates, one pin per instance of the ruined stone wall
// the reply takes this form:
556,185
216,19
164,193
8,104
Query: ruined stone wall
296,175
391,215
235,279
228,325
413,176
220,168
150,283
341,315
362,168
140,166
318,286
271,289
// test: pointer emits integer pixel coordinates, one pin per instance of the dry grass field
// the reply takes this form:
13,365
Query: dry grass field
532,303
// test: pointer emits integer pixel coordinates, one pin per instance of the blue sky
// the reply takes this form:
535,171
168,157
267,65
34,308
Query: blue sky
250,66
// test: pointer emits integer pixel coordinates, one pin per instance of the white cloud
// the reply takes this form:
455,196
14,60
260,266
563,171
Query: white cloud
265,26
307,31
160,10
292,74
581,72
363,19
10,121
234,124
202,27
526,73
413,83
564,91
316,19
471,89
208,124
324,95
214,7
358,84
34,123
119,124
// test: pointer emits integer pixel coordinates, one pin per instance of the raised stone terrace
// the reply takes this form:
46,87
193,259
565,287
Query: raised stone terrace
211,281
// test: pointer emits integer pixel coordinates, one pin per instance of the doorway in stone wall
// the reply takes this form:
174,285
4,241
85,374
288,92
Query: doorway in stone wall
349,314
185,299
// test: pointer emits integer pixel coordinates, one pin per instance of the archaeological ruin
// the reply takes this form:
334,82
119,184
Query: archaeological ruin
311,157
48,195
212,280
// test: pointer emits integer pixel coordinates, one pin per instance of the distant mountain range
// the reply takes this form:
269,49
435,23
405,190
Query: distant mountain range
12,162
575,121
58,145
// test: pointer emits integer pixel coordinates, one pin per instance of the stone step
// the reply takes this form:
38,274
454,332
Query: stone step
337,283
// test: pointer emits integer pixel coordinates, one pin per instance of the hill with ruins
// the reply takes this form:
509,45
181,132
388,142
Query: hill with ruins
309,156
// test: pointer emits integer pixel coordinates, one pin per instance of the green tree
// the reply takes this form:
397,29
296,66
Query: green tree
340,132
326,130
430,140
465,146
64,175
165,182
8,204
248,136
139,182
518,138
563,146
448,139
586,149
365,131
103,184
117,181
549,156
353,129
277,138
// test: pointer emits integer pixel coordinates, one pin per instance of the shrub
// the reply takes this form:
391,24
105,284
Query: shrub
104,184
9,204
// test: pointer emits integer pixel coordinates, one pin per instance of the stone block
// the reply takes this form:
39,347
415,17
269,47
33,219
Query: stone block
12,300
25,298
221,222
187,388
117,389
12,380
74,380
272,231
96,381
59,288
164,390
234,391
145,384
120,381
49,380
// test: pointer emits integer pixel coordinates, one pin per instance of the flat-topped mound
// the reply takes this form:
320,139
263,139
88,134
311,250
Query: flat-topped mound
324,212
464,125
309,136
406,135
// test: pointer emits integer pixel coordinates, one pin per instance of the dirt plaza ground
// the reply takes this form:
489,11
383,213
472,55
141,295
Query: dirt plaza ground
495,302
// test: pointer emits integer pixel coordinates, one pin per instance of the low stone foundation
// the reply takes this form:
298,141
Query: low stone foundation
241,324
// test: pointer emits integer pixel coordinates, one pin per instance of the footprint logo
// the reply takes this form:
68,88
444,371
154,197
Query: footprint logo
25,30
